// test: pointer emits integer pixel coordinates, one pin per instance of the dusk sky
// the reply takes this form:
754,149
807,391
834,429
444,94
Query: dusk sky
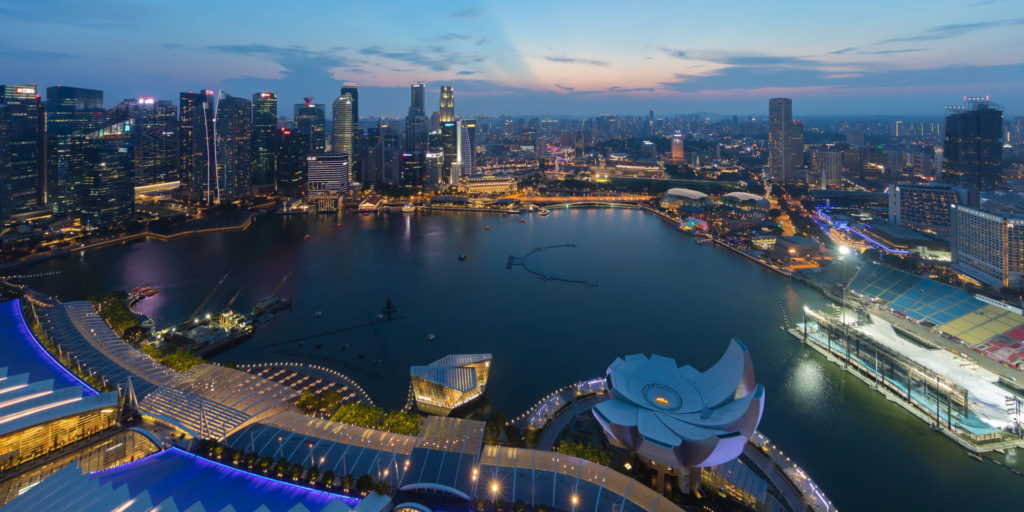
909,57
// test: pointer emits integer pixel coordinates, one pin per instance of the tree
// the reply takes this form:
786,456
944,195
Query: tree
281,467
364,484
312,475
347,483
383,488
265,463
296,471
327,480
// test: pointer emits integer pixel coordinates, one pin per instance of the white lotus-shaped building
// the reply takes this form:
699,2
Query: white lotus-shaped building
678,416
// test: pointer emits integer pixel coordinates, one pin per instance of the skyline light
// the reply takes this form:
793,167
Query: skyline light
536,57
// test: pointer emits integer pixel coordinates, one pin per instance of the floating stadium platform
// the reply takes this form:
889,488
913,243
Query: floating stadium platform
986,326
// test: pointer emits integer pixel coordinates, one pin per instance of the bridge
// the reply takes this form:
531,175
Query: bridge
553,200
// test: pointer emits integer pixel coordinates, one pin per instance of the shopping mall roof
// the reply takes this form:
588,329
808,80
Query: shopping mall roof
25,402
687,193
174,480
23,353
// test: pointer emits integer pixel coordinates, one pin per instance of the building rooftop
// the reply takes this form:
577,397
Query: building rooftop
24,354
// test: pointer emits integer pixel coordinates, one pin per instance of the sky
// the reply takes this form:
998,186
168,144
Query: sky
527,57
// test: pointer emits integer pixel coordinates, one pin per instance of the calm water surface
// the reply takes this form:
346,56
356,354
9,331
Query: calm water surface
658,291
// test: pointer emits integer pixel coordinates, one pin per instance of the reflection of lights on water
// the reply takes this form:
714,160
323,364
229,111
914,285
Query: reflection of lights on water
807,382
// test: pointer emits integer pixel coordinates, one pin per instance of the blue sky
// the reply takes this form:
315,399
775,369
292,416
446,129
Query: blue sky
533,57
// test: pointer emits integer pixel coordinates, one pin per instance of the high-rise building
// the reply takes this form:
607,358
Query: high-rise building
22,151
309,119
234,148
794,148
73,109
449,145
467,147
827,165
195,143
781,166
855,138
342,139
446,106
369,155
352,90
390,156
988,247
107,178
648,151
432,168
154,136
328,174
71,112
413,169
927,207
264,124
973,149
416,121
290,150
678,149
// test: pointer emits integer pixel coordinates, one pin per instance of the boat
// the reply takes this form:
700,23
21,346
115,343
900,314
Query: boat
307,237
462,257
522,221
338,225
431,337
409,208
544,212
270,305
318,314
487,227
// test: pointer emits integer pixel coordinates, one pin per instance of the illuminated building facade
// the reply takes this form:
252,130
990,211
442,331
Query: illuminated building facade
926,207
780,122
309,119
156,138
341,130
71,112
390,156
678,149
467,147
488,185
264,123
416,121
827,165
449,144
973,150
195,144
234,156
290,150
328,174
446,105
988,247
413,169
107,189
22,151
450,382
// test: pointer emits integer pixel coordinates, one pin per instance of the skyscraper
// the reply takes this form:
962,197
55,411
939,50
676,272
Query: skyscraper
678,150
342,130
70,112
154,137
352,90
416,121
107,181
413,168
973,150
390,156
449,145
781,166
447,104
290,150
234,127
195,143
309,119
467,147
264,123
22,151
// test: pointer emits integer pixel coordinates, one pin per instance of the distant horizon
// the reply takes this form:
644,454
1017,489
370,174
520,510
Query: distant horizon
913,57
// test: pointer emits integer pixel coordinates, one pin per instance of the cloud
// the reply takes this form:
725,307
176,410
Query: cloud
16,54
464,72
452,36
844,50
172,46
113,14
571,60
955,30
855,50
679,54
437,60
616,88
468,12
565,88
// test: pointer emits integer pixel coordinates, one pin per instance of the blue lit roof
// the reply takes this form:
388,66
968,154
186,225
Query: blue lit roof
191,479
22,353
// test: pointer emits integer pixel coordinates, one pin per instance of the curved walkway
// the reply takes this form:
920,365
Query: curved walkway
556,425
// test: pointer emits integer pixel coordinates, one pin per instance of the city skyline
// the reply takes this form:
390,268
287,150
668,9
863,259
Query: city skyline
532,59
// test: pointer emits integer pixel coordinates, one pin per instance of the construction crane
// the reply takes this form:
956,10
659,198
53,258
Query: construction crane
209,296
279,285
234,297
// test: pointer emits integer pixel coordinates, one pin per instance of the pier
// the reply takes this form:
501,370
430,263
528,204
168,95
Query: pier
514,261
